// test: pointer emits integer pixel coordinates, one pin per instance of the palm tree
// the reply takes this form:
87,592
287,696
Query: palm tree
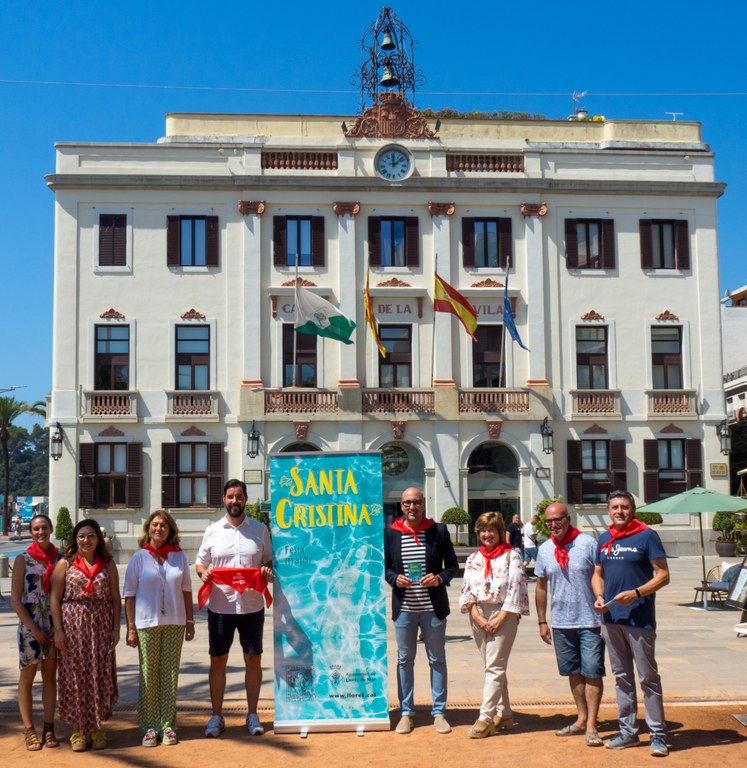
10,410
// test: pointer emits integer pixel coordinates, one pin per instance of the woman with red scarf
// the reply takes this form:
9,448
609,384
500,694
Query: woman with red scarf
32,575
494,594
86,609
158,607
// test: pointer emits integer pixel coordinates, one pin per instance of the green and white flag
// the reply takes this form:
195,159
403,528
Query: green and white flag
317,316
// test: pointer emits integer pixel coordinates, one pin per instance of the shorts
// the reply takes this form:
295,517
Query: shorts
579,651
222,626
530,553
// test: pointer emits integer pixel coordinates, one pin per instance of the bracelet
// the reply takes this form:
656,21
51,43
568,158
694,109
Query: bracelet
637,592
189,621
541,623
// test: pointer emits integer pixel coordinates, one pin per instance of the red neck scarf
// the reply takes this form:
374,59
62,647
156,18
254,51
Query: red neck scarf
560,544
633,526
401,525
163,552
48,558
497,551
239,579
98,565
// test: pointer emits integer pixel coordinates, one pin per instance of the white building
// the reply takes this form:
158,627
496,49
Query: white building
174,309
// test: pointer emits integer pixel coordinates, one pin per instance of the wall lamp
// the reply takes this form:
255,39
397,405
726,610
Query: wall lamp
252,442
546,432
55,449
724,435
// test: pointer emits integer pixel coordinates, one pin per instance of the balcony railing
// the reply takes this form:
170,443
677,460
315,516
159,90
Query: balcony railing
110,404
398,401
300,401
670,402
493,401
184,404
595,402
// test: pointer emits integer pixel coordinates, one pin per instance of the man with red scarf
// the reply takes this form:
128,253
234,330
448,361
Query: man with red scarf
419,564
631,566
566,563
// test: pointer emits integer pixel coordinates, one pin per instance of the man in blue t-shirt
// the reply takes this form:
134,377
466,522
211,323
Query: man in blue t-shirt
631,566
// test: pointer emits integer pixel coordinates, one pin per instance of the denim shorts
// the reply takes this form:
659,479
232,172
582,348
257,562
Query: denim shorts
222,626
579,651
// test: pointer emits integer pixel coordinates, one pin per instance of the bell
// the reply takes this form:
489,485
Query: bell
388,77
387,44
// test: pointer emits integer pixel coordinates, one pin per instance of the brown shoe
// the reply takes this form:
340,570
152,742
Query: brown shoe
481,730
441,724
503,723
404,725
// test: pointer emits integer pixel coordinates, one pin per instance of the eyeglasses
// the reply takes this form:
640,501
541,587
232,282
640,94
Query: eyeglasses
411,503
86,536
554,520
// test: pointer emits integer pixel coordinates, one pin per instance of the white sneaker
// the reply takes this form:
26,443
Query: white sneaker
253,725
215,727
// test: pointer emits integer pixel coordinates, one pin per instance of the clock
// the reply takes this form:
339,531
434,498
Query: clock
393,164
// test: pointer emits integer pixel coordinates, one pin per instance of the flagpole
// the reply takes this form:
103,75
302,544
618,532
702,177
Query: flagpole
295,363
433,328
501,359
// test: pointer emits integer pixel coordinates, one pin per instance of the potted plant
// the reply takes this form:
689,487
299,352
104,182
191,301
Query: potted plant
63,530
541,528
724,522
456,516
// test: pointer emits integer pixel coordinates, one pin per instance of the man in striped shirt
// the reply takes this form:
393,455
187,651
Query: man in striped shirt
420,562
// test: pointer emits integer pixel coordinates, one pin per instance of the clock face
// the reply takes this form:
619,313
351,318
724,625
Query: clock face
393,164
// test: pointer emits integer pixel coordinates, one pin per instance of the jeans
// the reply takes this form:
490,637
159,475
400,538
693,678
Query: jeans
434,635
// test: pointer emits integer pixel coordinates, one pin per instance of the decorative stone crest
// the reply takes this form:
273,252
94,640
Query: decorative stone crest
671,429
595,429
193,432
346,209
111,432
494,429
301,429
391,118
249,207
441,209
298,281
592,314
488,282
394,282
398,429
192,314
667,315
533,209
111,314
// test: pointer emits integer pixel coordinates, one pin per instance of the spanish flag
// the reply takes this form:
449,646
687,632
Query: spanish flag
448,299
371,320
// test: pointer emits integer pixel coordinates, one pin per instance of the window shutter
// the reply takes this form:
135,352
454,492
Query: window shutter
647,246
215,474
86,474
618,475
412,242
168,475
374,241
212,241
651,454
317,241
505,242
571,244
112,240
650,470
682,245
574,483
608,243
134,482
694,457
651,486
468,242
279,232
172,241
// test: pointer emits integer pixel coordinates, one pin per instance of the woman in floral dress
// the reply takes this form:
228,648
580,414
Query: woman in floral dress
86,609
494,594
32,576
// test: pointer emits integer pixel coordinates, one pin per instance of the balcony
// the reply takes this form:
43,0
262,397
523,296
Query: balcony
593,403
110,405
184,405
399,401
666,403
307,401
493,401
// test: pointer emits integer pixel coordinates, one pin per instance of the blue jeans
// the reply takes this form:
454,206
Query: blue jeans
434,635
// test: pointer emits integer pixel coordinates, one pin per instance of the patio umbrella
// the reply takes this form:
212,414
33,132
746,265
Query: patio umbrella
696,501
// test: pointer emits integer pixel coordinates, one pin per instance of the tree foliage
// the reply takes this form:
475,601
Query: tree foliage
63,530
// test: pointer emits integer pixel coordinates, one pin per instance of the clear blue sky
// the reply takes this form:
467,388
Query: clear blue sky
298,57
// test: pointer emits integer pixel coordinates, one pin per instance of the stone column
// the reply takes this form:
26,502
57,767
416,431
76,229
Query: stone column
350,292
536,275
443,365
252,212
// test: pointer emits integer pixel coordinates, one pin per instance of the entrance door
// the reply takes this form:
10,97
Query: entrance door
476,507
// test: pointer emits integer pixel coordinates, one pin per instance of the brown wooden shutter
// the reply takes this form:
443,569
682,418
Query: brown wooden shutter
608,243
574,482
374,241
412,242
618,474
279,239
134,482
172,241
571,244
647,245
86,475
212,241
694,458
468,242
505,242
682,244
168,474
216,453
112,240
317,241
650,470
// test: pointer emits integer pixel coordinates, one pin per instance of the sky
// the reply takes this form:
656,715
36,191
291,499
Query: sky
92,71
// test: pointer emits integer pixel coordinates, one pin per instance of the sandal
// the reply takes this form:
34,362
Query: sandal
49,739
78,742
594,740
98,739
32,740
570,730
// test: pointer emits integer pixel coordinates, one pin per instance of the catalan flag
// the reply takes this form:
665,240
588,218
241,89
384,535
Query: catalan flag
448,299
371,320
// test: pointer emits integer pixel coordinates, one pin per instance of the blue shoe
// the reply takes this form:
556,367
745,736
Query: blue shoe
659,746
618,741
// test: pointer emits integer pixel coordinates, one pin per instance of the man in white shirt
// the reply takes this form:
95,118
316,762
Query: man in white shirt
530,540
235,542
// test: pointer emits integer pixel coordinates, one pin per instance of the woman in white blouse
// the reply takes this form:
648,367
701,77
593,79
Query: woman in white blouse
494,594
158,607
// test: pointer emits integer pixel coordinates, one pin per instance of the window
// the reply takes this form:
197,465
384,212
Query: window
301,236
666,356
393,242
305,356
665,244
112,359
671,466
113,240
488,365
192,357
486,242
395,370
591,357
192,474
595,467
110,475
192,241
590,243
